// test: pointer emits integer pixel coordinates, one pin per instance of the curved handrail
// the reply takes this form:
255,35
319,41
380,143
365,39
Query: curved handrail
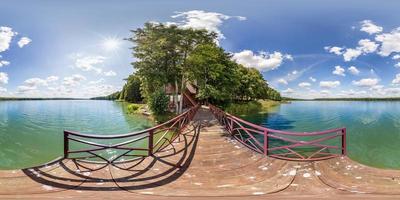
246,133
177,123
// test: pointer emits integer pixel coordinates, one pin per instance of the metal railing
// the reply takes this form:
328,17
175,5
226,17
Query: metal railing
96,148
294,146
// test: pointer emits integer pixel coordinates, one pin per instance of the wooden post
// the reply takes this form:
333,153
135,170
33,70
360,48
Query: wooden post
344,145
266,142
151,135
66,144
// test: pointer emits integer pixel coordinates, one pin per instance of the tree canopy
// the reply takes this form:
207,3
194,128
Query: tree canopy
170,55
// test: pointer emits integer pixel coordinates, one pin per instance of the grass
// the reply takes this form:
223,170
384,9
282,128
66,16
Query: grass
251,107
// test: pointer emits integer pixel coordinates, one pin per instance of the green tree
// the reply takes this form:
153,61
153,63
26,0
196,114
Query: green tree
158,102
131,90
214,73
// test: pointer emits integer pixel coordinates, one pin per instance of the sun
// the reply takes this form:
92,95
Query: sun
111,44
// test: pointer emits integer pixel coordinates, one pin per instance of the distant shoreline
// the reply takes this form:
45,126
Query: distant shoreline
347,99
27,99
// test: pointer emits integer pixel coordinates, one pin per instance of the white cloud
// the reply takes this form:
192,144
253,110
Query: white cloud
335,50
282,81
6,35
366,82
3,89
329,84
24,88
353,70
396,57
3,78
199,19
87,63
97,82
339,71
262,61
369,27
390,42
35,82
288,91
110,73
396,81
312,79
367,46
325,92
397,65
73,80
24,41
52,78
304,84
4,63
351,54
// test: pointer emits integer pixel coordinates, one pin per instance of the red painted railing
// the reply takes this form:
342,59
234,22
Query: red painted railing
295,146
91,148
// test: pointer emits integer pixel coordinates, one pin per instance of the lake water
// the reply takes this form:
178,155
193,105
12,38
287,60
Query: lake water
31,132
373,128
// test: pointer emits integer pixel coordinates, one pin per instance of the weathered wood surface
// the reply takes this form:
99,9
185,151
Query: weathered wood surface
203,163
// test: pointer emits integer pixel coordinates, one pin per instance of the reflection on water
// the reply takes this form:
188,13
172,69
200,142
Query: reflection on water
31,132
373,128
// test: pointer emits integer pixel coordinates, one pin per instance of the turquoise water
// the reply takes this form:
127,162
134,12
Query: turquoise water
31,132
373,128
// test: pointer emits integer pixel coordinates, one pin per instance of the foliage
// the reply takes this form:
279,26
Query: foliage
134,108
161,53
214,73
158,102
131,90
243,108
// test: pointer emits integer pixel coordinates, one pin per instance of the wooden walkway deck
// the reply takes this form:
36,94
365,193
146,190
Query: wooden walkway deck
203,163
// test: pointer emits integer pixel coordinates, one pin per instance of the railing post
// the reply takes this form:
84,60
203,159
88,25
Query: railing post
66,144
151,135
344,146
266,142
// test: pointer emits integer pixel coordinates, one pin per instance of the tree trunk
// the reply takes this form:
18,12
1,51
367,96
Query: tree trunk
176,97
183,87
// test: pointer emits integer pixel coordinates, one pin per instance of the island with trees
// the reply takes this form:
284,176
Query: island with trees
170,60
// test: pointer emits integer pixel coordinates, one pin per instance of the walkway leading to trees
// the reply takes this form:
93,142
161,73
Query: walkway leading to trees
200,159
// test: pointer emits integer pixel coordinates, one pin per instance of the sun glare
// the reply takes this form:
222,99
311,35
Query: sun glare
111,44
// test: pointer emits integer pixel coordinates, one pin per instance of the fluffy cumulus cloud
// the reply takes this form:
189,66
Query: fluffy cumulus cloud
110,73
73,80
369,27
390,42
329,84
282,81
34,84
304,84
262,61
4,63
396,81
367,46
89,63
3,78
312,79
351,54
339,71
335,50
24,41
366,82
6,35
288,91
199,19
353,70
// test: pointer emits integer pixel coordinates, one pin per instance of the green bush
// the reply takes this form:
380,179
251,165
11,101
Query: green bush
133,108
158,102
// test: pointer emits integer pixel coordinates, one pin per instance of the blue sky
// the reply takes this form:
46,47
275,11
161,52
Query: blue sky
304,49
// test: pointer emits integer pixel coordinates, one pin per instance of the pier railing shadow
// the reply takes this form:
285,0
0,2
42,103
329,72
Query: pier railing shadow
163,167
